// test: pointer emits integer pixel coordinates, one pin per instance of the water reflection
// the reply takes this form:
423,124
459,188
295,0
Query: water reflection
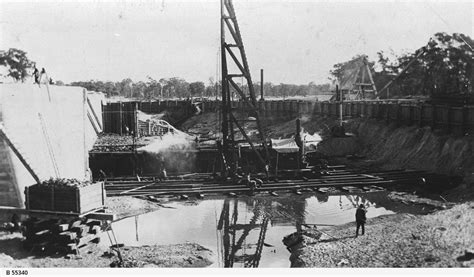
286,211
246,231
234,234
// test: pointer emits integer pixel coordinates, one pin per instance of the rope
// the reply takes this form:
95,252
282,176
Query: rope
48,145
449,26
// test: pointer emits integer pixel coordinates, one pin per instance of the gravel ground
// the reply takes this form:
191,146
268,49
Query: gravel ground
402,240
125,206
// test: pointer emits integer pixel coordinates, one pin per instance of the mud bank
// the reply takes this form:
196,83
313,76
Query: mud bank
440,239
179,255
12,254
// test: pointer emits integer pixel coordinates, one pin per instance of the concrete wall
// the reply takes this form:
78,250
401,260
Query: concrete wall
65,122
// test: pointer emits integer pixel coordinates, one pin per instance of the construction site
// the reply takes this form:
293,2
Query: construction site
236,180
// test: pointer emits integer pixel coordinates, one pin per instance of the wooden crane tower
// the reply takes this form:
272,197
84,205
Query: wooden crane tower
234,49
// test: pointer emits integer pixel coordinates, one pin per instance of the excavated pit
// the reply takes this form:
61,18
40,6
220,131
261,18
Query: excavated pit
368,145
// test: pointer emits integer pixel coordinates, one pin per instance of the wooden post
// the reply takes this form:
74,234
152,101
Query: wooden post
340,104
84,122
299,142
276,165
136,120
103,193
120,118
27,198
52,198
465,120
104,126
78,201
449,122
420,111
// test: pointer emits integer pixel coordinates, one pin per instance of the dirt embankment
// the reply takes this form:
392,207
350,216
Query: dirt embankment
385,145
391,147
413,147
440,239
12,254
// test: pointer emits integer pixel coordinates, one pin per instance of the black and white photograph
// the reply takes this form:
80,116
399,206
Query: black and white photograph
236,136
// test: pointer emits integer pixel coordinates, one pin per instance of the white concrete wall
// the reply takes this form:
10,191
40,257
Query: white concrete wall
70,132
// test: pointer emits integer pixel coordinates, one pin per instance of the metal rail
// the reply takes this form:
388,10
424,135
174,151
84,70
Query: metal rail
199,186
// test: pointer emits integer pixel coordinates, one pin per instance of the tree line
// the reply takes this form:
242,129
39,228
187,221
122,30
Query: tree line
443,66
179,88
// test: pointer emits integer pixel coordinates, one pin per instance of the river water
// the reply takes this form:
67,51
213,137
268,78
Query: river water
248,231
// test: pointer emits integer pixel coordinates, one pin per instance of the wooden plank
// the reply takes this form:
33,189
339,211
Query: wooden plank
68,236
63,227
102,216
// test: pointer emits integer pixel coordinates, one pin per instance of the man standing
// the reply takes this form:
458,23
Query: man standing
360,218
36,75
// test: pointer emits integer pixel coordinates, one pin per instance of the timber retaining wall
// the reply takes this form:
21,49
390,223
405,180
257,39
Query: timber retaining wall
458,120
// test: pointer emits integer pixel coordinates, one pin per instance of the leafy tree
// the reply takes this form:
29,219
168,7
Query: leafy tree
443,66
17,63
125,87
197,89
153,88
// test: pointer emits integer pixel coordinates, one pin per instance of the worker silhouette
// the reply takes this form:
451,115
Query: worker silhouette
36,75
360,218
43,72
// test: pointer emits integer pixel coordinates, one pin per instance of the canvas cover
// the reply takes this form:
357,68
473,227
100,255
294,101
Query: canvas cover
285,145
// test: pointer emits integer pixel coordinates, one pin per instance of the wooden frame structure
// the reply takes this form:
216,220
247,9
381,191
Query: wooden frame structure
235,50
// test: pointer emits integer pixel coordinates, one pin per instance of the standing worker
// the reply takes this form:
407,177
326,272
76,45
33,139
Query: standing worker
360,218
43,72
36,75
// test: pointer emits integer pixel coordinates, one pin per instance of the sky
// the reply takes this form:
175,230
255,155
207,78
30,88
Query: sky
295,42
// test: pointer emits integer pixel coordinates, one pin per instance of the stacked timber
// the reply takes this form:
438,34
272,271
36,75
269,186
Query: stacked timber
60,236
57,222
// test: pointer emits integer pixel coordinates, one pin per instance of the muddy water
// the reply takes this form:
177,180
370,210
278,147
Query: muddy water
247,231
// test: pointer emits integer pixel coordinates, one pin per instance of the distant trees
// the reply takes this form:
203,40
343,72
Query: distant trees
17,63
176,87
446,66
197,89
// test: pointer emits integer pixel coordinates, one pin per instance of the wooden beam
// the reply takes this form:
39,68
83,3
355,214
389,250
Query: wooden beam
248,140
93,215
18,154
237,62
94,113
97,131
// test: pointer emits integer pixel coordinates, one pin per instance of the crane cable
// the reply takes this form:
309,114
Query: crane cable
449,26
